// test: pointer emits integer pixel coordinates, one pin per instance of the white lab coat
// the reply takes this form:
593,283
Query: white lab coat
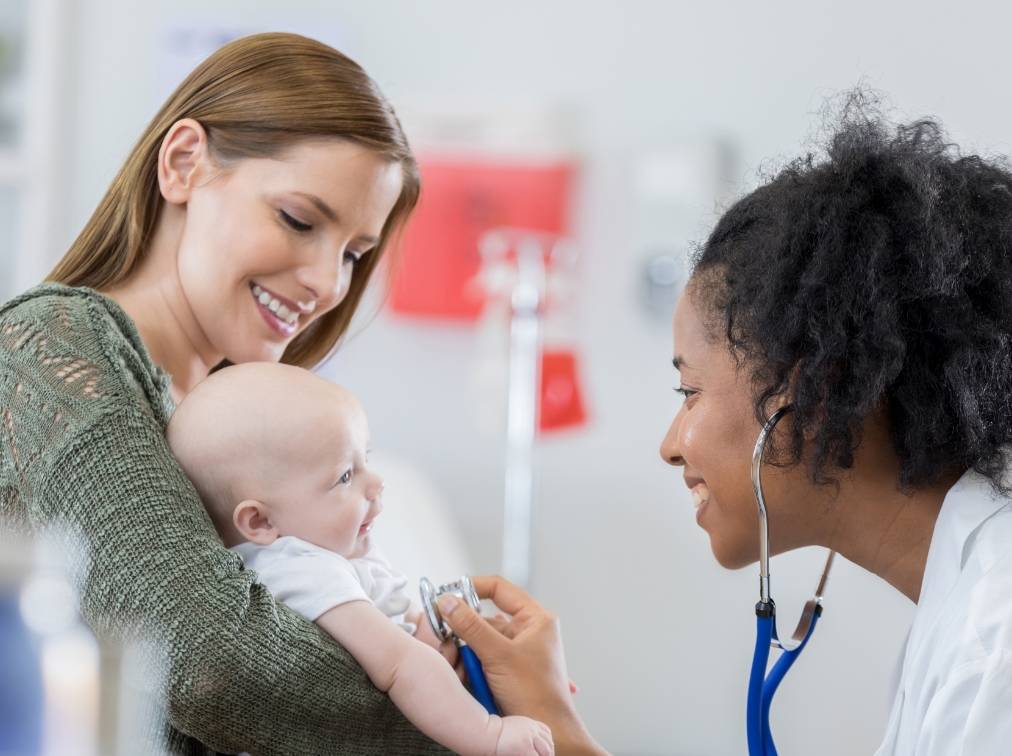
955,687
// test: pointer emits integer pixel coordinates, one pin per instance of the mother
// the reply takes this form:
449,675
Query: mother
244,226
872,292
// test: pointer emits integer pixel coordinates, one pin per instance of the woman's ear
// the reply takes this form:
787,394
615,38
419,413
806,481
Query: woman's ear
181,159
252,519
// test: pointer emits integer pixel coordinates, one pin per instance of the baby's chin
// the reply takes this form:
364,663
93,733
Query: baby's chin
362,546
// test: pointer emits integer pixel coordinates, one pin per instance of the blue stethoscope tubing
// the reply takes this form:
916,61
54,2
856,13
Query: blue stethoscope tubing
762,687
476,679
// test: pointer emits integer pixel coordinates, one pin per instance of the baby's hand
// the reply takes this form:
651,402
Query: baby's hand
521,736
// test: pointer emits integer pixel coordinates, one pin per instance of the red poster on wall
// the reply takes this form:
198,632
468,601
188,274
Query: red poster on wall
461,200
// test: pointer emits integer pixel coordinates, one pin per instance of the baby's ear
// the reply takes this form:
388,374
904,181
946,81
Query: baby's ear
252,519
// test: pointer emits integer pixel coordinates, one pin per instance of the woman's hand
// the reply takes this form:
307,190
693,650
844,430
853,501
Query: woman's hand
523,660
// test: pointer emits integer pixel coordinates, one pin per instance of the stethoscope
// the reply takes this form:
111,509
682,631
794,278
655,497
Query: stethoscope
464,590
762,687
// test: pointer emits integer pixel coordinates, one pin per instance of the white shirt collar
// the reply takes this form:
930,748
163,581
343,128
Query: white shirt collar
970,503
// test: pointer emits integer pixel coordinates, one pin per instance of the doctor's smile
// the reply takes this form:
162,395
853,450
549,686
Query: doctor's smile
700,495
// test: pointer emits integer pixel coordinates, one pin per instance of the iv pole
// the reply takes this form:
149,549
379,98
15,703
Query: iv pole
526,297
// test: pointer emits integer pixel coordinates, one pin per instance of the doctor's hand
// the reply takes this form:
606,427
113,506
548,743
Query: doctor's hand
523,660
505,626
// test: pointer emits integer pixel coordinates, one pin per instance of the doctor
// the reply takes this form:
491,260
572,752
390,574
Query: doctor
871,290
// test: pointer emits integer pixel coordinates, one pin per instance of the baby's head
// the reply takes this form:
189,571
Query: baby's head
275,450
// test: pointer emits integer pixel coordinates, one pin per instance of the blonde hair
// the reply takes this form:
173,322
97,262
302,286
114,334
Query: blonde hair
255,97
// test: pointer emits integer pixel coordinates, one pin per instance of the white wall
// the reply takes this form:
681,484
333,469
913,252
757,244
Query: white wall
658,636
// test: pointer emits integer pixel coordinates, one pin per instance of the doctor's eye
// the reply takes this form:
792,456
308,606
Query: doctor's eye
685,392
294,223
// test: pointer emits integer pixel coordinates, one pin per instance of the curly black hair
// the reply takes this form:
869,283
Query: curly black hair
875,275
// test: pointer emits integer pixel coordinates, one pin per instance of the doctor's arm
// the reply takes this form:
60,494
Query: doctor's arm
525,664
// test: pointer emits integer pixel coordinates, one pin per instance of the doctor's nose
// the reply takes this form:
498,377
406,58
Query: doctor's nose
670,450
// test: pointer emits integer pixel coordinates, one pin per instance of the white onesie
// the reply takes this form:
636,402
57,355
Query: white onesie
312,580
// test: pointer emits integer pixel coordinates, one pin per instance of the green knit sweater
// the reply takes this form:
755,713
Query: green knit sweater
83,411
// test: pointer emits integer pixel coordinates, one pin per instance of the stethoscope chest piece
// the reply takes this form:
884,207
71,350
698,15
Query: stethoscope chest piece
463,589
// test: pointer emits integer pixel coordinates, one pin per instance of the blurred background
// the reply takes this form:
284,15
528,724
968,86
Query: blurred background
624,127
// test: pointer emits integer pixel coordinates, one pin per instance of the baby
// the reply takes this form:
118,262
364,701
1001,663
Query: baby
279,457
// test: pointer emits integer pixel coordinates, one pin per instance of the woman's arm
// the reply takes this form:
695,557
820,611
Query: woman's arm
424,686
526,667
243,672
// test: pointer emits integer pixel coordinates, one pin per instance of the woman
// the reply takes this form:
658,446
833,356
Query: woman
244,226
870,291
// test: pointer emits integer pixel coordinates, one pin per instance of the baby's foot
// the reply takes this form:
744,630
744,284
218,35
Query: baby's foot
521,736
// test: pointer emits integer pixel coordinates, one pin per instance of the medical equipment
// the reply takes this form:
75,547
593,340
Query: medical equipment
762,687
22,705
519,264
464,590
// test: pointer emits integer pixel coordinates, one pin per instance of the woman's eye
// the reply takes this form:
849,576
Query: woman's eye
352,257
346,478
294,223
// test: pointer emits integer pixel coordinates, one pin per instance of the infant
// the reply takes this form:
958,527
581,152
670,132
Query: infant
279,456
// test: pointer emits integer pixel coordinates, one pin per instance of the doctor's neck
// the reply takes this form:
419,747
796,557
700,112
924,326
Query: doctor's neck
878,526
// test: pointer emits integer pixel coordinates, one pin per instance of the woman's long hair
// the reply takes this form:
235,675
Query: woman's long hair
255,97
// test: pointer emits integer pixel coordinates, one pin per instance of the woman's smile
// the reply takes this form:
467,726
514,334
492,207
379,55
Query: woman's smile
280,314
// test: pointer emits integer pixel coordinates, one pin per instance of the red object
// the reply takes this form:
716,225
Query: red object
461,199
561,404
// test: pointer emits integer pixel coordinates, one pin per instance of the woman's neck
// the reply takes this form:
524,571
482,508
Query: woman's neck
879,527
155,301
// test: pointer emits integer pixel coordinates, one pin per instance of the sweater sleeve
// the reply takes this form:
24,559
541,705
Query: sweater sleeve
243,672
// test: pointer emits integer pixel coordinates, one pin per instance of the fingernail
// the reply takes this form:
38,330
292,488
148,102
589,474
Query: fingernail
448,604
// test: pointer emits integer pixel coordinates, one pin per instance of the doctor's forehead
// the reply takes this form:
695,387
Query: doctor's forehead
689,335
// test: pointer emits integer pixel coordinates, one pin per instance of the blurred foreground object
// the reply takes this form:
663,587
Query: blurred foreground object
21,696
61,692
